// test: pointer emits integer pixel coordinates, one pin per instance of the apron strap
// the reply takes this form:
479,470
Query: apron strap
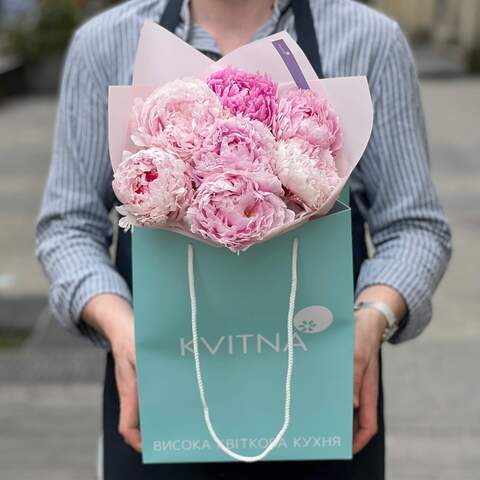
306,36
171,15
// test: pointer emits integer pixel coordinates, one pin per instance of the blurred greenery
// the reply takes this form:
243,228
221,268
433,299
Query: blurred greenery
12,338
32,44
45,32
473,61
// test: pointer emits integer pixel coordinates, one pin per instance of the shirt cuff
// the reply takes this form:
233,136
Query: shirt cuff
108,281
409,284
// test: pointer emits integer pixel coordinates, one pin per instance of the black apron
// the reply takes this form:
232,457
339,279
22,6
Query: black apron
121,462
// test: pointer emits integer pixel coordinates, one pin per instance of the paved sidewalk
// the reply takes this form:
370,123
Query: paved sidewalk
50,391
49,431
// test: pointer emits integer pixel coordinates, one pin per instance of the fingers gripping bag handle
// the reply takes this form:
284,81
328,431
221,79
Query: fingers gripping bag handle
288,380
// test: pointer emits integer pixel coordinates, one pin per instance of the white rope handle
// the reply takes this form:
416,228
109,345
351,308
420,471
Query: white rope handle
288,382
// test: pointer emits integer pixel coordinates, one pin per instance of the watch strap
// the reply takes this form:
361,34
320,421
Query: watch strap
392,321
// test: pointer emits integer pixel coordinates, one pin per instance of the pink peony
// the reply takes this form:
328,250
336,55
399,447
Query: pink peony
237,209
309,173
302,114
235,143
154,187
251,94
175,117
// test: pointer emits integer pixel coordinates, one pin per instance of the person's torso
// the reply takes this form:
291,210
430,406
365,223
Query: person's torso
353,40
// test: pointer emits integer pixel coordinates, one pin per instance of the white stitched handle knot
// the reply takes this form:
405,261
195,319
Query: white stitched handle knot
198,371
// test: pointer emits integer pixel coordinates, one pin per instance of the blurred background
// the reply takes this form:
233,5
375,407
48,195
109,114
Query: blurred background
50,383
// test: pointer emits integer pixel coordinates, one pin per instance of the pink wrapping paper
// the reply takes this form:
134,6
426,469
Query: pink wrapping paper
162,57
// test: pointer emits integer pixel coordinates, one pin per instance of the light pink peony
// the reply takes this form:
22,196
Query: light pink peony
235,143
175,117
251,94
237,209
308,173
302,114
154,187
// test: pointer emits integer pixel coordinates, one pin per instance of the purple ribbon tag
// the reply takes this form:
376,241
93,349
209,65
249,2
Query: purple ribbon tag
291,64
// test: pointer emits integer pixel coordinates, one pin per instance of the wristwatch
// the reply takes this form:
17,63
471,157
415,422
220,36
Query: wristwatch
392,321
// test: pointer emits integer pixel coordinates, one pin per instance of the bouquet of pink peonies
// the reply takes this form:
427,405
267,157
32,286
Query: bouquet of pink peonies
230,159
233,156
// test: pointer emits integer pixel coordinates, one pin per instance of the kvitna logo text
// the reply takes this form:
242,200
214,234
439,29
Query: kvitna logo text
310,320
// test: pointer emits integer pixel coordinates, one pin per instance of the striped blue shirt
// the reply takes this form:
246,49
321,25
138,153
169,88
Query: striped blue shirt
392,183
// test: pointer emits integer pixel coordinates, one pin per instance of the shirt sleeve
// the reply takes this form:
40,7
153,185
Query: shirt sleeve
408,228
73,230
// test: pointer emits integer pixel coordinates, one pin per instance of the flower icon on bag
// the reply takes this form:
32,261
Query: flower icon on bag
314,319
307,326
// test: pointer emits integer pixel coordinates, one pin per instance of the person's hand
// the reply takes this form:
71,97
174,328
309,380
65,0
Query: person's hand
369,327
113,317
123,349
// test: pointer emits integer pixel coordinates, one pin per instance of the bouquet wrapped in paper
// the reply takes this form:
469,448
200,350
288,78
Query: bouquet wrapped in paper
237,151
251,150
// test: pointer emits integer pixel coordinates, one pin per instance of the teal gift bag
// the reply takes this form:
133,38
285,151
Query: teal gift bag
274,389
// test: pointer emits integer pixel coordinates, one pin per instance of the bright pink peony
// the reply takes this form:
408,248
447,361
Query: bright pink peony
237,209
154,187
175,117
302,114
235,143
309,173
251,94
